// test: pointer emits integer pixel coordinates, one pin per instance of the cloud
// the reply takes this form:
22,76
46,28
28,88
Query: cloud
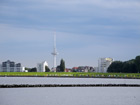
9,32
86,29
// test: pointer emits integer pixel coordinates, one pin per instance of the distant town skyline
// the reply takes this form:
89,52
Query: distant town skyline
85,30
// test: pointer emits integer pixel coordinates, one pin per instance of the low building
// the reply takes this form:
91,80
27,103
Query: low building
41,67
68,70
103,64
10,66
83,69
74,69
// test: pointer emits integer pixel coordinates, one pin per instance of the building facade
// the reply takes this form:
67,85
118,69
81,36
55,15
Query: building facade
103,64
41,66
96,69
10,66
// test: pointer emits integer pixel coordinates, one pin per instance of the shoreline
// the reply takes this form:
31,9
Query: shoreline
74,77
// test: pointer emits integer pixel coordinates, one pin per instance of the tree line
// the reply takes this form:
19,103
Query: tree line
131,66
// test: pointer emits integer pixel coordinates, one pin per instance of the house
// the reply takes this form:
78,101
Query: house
83,69
68,70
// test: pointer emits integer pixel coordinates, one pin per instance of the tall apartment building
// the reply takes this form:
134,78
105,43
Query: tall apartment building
10,66
103,64
41,66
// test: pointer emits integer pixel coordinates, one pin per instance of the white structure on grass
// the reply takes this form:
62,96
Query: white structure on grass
41,66
103,64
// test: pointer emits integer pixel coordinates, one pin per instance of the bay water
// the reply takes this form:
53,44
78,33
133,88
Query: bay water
69,95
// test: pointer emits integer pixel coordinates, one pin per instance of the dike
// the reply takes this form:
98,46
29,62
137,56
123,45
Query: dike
67,85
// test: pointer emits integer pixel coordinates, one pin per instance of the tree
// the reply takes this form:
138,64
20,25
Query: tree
58,68
33,69
137,63
116,66
47,69
62,65
125,68
131,66
26,68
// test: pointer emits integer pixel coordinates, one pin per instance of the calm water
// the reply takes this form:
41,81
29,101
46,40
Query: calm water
71,96
44,80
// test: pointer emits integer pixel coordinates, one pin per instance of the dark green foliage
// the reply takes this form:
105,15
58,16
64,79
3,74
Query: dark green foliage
137,62
26,68
47,69
131,66
62,65
125,67
58,69
33,69
116,66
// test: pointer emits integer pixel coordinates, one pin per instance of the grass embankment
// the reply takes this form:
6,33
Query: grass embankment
72,74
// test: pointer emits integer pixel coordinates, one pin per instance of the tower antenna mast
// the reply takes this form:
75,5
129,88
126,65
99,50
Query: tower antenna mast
54,53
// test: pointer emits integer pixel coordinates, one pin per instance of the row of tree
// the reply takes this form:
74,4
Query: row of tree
131,66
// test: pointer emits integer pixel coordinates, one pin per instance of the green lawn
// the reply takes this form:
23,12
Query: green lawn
72,74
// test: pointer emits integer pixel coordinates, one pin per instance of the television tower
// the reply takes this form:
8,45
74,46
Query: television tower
54,53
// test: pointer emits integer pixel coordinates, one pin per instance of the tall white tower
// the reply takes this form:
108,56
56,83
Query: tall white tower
54,53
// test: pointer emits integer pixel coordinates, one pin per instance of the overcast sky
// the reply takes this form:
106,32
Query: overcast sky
86,30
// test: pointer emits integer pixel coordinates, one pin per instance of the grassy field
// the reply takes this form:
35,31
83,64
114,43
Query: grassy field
72,74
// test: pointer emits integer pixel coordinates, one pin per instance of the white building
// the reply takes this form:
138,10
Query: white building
10,66
41,66
103,64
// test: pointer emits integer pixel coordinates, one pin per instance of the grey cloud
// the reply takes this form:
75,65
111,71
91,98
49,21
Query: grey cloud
72,15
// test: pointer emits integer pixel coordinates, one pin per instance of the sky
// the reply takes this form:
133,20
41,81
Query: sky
86,30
